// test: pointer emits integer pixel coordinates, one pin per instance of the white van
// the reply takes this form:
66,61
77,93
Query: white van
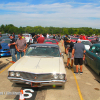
28,38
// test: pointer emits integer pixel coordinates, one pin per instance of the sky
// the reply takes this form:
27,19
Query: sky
46,13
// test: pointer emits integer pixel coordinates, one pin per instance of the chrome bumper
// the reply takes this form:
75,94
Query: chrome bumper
42,83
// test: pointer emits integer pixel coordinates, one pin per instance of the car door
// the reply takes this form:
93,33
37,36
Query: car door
97,62
88,56
94,59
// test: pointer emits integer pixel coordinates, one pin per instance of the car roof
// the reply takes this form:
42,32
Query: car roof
49,39
97,44
84,40
44,44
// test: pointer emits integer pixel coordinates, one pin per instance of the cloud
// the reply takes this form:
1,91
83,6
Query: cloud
56,14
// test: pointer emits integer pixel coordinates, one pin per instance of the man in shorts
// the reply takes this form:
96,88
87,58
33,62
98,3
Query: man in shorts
78,53
69,52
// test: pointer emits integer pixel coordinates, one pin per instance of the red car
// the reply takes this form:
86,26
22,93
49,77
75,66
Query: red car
51,41
90,38
74,39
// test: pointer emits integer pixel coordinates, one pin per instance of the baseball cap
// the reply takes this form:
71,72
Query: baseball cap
79,40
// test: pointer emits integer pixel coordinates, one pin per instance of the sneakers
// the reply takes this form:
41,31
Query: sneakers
76,72
81,73
12,61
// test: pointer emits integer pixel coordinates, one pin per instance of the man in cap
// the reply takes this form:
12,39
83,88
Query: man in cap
78,53
70,46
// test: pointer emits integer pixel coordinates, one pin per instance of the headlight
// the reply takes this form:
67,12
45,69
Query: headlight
12,73
61,76
55,76
17,74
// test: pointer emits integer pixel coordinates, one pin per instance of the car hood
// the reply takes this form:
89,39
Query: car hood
39,64
5,46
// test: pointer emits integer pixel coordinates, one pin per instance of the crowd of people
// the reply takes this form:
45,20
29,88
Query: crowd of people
76,53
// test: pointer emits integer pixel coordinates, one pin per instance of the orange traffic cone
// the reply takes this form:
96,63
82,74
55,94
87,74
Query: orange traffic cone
21,97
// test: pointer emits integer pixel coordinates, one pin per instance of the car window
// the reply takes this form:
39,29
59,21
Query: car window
97,50
5,41
43,51
53,41
86,42
93,49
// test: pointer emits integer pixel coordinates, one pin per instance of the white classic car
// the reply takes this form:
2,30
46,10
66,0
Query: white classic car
42,65
86,43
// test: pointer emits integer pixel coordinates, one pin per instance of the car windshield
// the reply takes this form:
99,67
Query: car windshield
26,35
5,41
90,38
74,38
86,42
53,41
43,51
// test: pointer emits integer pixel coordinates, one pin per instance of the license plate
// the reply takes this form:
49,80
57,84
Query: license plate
35,84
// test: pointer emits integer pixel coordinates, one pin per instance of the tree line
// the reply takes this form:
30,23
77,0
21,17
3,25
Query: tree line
10,28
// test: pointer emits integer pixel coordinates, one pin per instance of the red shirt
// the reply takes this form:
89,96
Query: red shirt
40,39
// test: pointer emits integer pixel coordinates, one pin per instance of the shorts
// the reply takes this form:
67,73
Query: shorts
78,61
69,55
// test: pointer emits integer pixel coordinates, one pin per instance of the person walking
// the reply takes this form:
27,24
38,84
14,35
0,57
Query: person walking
12,49
78,53
40,39
70,46
20,46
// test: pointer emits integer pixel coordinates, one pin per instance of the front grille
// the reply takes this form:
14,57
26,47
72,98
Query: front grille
36,77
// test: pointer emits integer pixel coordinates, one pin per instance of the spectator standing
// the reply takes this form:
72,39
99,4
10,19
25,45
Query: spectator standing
0,38
12,49
0,34
54,37
69,52
65,42
35,39
21,46
78,53
47,36
13,35
40,39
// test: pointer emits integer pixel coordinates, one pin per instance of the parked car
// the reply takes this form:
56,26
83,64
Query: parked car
90,38
51,41
5,51
93,57
74,39
86,43
28,38
41,66
96,41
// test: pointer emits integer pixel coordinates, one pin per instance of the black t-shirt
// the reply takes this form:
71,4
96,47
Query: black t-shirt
35,39
65,40
70,46
12,41
54,37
